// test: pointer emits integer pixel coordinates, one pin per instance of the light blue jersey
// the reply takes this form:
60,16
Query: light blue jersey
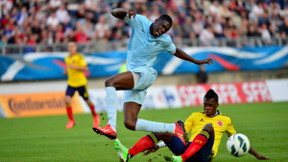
143,49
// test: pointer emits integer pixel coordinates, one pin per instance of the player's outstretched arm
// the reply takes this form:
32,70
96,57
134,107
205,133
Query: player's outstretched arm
80,68
258,156
184,56
121,13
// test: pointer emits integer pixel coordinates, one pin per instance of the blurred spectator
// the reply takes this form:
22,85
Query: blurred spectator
155,12
252,32
224,10
41,13
59,32
32,39
217,28
52,20
243,29
80,36
120,32
202,76
187,27
198,26
214,9
206,36
22,16
56,21
31,42
55,3
265,34
6,6
88,29
43,39
8,30
101,28
181,17
257,11
3,40
50,39
176,28
62,15
284,26
70,36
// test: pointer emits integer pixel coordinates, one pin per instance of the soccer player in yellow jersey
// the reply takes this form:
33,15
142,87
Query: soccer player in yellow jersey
206,130
77,81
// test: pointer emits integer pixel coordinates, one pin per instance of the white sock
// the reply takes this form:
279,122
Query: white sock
150,126
114,128
111,101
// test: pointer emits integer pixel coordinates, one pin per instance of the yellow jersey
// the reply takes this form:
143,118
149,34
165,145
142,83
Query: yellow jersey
221,123
76,78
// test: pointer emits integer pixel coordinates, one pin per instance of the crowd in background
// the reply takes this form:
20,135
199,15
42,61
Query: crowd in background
30,22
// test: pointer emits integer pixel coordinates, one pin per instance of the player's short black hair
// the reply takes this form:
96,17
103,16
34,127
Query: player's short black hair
167,18
211,94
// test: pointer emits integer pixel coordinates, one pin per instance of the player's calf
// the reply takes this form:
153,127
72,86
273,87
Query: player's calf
199,141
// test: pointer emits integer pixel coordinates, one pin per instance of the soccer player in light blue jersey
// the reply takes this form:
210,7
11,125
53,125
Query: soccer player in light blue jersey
147,40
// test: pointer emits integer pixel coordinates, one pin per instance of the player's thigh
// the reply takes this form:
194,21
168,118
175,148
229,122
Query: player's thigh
121,81
176,145
70,91
83,92
147,77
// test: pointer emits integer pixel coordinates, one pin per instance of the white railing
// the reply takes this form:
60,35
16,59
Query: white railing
101,46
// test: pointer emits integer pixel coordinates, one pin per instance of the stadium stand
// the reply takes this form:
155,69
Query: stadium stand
47,25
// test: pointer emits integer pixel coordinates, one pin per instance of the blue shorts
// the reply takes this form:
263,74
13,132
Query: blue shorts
178,148
82,90
138,93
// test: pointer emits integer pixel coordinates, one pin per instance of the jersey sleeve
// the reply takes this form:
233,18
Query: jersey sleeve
230,129
170,46
82,61
66,60
189,123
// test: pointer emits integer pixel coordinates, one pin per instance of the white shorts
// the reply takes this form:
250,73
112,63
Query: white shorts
138,93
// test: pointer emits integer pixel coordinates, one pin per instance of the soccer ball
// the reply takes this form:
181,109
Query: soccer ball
238,144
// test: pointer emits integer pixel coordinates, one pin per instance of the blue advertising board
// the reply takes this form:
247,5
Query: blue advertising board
42,66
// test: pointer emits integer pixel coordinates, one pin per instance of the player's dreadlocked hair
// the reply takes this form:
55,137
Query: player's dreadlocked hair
211,94
167,18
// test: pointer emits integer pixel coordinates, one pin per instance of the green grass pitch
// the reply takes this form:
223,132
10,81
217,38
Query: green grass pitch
46,139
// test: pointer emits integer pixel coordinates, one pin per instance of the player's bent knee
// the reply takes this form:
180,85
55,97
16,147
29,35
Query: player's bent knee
166,136
109,82
67,100
130,125
210,129
89,102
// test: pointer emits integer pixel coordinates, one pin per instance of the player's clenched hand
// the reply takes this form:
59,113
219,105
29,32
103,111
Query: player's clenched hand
65,71
131,12
260,157
206,61
152,149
